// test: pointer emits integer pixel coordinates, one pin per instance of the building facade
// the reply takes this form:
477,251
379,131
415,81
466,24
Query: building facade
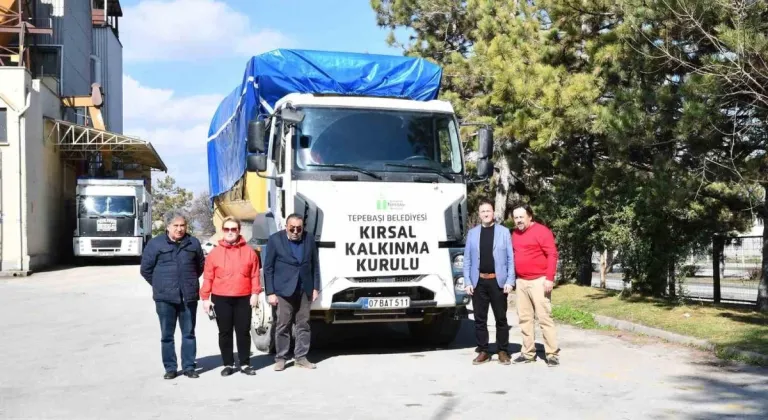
61,117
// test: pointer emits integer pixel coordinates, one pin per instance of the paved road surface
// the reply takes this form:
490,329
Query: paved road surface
84,344
747,294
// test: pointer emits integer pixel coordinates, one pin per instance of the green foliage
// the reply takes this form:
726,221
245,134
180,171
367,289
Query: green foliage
614,116
167,196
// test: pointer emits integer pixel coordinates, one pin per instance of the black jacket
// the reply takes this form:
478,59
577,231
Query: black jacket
173,269
283,272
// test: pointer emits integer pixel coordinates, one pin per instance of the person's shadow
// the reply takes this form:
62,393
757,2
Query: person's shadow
208,363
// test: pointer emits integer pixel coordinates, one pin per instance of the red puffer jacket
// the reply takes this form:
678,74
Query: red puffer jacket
231,270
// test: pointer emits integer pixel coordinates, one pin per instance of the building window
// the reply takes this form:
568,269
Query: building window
3,125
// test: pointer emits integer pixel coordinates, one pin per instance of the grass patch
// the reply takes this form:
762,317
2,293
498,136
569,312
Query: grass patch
576,317
723,325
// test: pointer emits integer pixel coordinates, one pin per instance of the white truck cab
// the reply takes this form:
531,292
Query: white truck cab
381,184
113,218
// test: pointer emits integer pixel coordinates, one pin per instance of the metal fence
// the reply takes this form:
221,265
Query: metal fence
732,276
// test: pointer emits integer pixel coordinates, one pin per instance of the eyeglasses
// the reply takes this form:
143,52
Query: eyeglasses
234,229
295,229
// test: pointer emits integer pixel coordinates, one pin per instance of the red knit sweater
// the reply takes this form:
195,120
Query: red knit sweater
535,252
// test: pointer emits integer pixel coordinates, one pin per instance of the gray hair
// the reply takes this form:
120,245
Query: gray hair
173,215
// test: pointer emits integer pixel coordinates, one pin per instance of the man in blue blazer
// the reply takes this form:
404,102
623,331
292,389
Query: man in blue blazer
292,282
489,273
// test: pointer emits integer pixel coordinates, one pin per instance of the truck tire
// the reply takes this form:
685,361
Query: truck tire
440,331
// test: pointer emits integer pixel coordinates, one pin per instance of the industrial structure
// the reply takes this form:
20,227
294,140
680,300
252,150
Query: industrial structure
61,119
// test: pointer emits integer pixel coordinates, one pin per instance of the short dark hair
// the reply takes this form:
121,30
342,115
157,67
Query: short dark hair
486,201
524,206
294,216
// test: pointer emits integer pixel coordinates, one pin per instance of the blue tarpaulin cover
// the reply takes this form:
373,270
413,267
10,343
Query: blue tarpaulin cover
272,75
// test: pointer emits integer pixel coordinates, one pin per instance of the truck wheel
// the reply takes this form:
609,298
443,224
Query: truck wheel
440,331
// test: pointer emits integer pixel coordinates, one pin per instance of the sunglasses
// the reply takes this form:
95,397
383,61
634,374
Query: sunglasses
295,229
234,229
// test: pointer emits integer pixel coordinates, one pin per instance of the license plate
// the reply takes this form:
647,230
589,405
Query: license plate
106,225
387,303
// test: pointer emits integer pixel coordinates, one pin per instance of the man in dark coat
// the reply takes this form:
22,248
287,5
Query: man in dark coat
172,264
292,282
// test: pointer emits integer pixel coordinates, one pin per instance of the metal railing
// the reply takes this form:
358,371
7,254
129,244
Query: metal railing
732,275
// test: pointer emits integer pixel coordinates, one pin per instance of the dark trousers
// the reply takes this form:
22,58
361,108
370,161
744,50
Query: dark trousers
186,314
292,310
488,293
233,313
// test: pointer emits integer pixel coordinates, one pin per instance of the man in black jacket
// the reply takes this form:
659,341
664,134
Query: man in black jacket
172,264
292,282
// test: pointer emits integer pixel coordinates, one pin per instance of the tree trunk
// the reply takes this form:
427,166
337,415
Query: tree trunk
606,262
762,288
718,265
671,281
502,189
585,267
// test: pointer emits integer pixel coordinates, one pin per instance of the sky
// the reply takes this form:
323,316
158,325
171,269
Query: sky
181,57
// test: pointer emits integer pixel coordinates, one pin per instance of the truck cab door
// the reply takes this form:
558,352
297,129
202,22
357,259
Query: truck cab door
277,156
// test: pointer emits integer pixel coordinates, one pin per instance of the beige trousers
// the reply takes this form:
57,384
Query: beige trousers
531,300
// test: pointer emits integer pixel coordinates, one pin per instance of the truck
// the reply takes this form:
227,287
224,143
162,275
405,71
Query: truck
362,149
114,218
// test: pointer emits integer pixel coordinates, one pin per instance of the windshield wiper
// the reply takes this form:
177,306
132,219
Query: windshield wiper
426,168
345,166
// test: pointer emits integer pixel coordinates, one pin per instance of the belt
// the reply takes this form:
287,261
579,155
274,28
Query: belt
487,276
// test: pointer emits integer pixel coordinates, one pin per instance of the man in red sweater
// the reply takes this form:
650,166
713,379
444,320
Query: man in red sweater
535,266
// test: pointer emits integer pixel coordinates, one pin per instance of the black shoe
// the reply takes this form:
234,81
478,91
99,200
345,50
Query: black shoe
170,375
227,371
523,359
552,361
191,374
248,371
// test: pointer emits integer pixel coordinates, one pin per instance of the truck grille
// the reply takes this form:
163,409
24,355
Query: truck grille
106,243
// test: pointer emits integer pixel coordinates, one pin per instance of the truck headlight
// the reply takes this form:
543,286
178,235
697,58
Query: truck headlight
458,262
458,283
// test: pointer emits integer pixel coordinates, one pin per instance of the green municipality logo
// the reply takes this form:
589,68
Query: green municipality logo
382,204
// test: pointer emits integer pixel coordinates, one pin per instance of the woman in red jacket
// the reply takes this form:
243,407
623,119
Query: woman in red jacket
231,285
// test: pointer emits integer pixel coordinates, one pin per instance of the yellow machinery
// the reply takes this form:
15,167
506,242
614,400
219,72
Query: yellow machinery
247,198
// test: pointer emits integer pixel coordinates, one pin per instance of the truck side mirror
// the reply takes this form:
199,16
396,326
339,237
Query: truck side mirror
485,152
256,131
257,163
145,207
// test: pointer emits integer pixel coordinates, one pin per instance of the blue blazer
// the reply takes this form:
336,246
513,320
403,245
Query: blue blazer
503,256
283,272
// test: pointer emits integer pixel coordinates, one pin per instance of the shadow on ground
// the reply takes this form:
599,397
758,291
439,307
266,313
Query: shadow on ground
91,262
342,340
741,393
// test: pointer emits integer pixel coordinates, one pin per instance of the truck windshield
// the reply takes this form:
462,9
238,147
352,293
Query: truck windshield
377,140
105,205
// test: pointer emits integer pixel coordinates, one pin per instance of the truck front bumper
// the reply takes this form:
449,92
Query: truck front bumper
108,247
345,300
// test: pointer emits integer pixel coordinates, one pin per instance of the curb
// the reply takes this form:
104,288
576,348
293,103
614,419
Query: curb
677,338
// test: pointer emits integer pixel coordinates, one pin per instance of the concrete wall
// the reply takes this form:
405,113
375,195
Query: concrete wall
47,178
108,48
14,85
34,240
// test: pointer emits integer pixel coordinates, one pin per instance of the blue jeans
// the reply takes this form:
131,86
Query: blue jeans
186,314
